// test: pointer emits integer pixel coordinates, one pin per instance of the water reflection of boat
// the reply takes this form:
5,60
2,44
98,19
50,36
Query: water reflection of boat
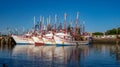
20,51
47,55
42,51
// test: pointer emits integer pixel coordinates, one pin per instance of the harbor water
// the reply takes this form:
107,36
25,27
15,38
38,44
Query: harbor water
93,55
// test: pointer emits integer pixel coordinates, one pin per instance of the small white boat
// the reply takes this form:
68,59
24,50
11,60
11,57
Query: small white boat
87,40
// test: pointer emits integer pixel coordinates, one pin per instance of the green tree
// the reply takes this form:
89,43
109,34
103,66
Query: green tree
97,33
113,31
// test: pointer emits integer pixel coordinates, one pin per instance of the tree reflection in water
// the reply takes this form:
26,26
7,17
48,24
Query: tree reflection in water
117,52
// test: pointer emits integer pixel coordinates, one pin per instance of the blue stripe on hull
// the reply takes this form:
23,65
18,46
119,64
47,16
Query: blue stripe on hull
64,45
24,43
50,44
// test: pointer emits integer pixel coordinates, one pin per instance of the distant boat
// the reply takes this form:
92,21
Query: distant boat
86,40
82,42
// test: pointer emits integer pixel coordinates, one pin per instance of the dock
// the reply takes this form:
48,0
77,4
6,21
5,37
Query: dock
105,41
7,41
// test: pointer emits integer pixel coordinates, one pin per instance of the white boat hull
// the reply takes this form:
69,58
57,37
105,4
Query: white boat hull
38,41
22,40
48,41
61,41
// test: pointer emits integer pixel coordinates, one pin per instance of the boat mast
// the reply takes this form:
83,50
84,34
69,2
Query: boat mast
55,22
47,23
83,27
77,19
65,15
49,20
34,24
48,26
43,25
77,22
43,22
40,23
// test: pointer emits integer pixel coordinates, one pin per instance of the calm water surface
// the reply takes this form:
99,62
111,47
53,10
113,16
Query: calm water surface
97,55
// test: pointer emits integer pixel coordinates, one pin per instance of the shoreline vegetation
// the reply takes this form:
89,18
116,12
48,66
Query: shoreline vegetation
111,36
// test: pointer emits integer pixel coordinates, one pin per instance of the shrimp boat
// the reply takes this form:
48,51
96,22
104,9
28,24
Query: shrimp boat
48,39
23,40
37,41
29,38
63,39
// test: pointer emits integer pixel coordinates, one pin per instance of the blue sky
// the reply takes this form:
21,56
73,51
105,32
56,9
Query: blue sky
99,15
